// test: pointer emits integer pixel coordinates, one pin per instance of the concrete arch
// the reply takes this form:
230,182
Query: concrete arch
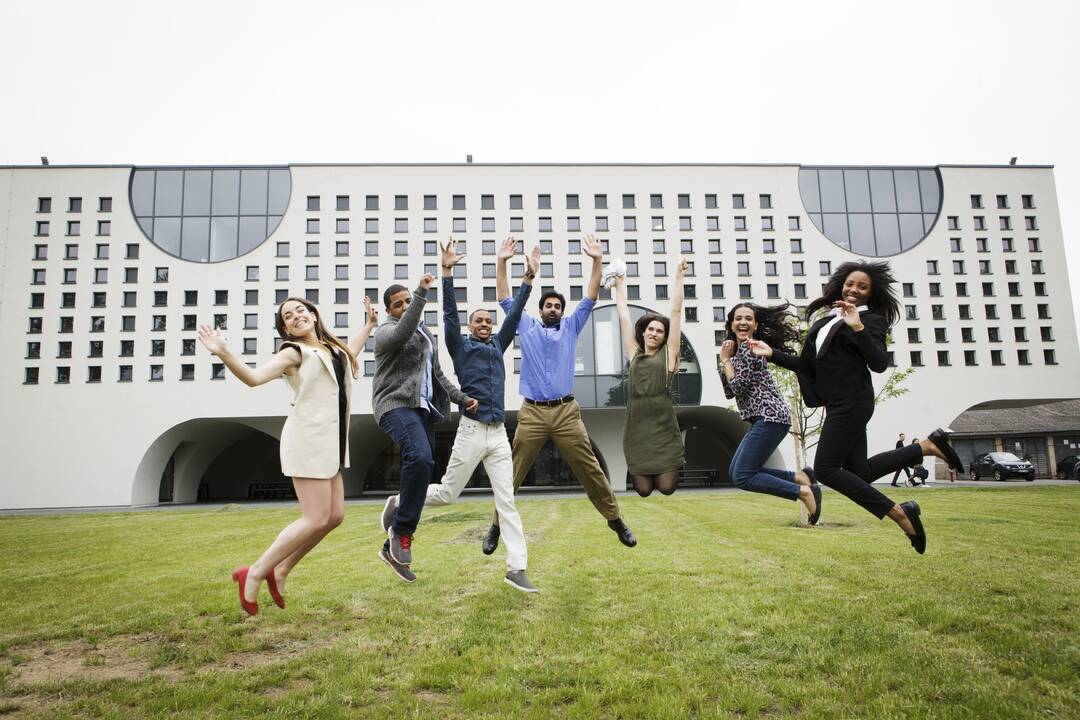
195,443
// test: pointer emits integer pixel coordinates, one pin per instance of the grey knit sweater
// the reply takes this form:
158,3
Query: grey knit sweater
399,364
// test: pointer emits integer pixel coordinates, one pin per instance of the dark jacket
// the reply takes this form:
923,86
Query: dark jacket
479,365
842,372
399,364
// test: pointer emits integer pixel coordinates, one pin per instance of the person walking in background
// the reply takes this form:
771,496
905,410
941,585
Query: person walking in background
409,395
918,471
481,434
833,370
652,442
899,444
549,410
746,377
320,369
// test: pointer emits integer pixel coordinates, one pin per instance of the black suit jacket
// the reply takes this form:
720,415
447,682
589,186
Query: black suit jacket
842,372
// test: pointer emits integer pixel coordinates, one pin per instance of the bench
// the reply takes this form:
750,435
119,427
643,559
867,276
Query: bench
281,490
707,478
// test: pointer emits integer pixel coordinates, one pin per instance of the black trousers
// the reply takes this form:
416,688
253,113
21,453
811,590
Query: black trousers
897,475
841,462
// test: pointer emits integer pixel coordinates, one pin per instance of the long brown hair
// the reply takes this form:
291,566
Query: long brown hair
320,332
643,322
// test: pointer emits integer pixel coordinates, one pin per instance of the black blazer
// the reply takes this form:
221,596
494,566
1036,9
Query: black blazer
843,370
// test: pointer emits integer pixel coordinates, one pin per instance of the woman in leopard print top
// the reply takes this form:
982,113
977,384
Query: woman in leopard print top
747,379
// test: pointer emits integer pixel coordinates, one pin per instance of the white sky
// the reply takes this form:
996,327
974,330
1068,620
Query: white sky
317,81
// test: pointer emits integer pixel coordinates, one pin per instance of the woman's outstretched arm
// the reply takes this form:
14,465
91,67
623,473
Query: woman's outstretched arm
214,341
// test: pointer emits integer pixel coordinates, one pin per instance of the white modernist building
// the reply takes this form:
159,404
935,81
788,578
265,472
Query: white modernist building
106,271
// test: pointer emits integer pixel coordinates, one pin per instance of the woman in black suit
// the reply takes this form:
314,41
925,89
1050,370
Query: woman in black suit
833,369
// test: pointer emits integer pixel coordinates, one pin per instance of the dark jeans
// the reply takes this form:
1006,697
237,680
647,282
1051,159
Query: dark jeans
841,461
414,431
761,441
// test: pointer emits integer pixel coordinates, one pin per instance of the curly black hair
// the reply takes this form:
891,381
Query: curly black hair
882,300
777,326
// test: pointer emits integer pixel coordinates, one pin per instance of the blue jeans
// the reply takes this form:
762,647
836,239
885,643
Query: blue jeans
760,441
414,431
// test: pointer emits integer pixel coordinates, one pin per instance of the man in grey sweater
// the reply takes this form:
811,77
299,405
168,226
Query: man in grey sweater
409,395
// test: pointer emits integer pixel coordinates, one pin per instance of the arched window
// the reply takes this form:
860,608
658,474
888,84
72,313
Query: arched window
600,363
876,211
209,214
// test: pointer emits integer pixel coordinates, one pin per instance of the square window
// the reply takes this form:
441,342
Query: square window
600,201
341,225
657,223
341,272
73,227
683,201
44,205
312,225
341,203
766,223
189,322
685,224
656,201
371,225
157,373
69,276
41,228
311,272
401,225
996,358
104,227
710,201
661,292
75,204
628,201
572,202
458,225
63,375
313,203
543,202
744,292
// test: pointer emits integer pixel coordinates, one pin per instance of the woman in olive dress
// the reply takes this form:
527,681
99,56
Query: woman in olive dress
652,442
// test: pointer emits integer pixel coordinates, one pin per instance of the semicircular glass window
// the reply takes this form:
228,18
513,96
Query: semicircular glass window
872,211
600,363
209,214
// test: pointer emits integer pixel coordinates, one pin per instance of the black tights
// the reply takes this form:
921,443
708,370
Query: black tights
664,482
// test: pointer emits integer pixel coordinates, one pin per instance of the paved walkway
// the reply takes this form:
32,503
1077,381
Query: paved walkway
485,496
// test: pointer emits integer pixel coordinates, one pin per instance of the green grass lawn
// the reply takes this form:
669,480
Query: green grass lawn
725,609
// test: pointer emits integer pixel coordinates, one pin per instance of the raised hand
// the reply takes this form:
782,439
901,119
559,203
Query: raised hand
727,349
426,279
592,247
370,312
507,249
760,348
682,268
449,254
212,339
850,314
533,261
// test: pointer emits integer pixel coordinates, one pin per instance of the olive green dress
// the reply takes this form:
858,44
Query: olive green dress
651,442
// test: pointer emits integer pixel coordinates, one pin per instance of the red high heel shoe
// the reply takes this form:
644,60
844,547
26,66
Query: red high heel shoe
271,583
240,576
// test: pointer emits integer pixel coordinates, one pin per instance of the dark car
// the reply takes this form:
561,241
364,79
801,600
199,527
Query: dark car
1001,466
1069,468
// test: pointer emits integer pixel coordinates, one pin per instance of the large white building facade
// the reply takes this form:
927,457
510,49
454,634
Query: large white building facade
107,270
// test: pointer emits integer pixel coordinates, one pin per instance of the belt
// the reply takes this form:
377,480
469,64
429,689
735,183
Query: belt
550,403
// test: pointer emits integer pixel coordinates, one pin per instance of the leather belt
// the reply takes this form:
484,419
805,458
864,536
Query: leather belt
550,403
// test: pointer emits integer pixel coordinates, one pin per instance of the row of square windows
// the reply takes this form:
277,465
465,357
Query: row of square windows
342,248
217,370
189,322
543,202
74,204
516,202
546,224
96,348
1031,222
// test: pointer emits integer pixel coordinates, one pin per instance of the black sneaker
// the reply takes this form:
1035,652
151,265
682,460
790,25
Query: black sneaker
400,547
402,571
625,536
517,580
491,539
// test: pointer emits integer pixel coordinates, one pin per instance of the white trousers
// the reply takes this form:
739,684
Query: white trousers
478,442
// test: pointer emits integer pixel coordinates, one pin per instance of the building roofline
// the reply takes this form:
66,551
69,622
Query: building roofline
509,164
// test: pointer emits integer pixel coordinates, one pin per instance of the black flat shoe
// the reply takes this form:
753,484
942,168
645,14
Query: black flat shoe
809,471
816,490
941,440
918,540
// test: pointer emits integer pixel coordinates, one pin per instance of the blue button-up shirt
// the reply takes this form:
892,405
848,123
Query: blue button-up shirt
478,364
425,377
547,353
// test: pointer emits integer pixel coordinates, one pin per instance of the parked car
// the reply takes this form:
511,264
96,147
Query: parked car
1069,468
1001,466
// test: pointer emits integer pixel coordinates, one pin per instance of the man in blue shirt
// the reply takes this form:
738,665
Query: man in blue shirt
481,435
549,410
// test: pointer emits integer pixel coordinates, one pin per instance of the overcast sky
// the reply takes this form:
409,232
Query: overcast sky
755,82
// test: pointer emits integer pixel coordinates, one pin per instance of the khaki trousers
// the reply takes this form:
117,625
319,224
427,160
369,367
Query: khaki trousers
562,425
